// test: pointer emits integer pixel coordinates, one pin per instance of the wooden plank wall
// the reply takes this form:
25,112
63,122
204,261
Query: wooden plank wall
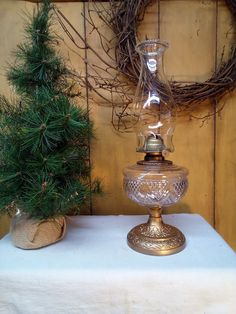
207,150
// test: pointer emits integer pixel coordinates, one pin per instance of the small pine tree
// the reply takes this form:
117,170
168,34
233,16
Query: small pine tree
44,139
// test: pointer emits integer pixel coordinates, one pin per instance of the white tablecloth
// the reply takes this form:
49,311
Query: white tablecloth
94,271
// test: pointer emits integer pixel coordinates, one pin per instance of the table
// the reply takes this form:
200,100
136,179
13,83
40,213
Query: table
94,271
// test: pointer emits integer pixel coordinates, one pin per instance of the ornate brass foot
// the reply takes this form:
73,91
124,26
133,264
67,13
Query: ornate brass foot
156,237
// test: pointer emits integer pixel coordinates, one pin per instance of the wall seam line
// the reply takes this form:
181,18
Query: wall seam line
214,119
87,106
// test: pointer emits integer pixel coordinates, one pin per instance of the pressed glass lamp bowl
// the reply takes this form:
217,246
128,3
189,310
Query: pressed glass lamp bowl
155,185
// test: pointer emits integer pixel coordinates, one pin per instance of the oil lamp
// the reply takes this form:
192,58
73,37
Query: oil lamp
154,182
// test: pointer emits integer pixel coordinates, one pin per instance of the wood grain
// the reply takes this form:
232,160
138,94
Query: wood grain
189,26
38,1
226,172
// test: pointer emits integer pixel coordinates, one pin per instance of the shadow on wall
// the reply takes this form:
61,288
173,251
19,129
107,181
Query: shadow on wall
178,208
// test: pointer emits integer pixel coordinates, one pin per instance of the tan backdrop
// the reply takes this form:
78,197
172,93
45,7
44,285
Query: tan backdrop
207,150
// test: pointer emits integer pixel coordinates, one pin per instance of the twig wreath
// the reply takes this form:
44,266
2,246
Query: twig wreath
127,15
111,79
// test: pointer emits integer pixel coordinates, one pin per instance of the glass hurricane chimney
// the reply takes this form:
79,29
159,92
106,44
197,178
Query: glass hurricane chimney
153,106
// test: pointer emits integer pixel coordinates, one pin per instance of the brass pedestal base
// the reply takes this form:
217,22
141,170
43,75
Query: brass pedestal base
156,237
